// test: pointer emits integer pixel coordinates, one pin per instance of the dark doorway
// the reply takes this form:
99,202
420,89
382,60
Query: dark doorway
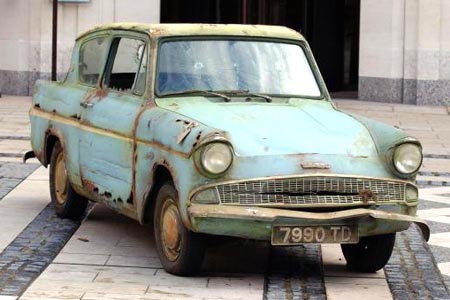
330,26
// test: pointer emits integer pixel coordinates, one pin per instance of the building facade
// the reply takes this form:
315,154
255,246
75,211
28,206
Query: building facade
26,35
386,50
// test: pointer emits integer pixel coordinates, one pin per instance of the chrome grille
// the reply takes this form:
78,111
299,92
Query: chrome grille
312,190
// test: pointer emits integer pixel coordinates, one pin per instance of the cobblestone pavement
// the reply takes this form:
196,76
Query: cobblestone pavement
16,255
295,273
412,272
33,250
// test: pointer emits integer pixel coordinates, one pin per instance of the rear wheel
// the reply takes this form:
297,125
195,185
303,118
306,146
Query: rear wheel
371,253
67,203
180,251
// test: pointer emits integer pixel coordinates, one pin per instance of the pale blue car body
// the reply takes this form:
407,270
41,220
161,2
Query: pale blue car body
119,147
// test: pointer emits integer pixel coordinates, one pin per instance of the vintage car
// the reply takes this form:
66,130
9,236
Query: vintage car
221,130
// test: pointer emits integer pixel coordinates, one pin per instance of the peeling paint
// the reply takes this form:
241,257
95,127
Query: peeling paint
187,128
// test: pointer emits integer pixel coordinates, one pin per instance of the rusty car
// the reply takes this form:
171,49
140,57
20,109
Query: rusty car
224,130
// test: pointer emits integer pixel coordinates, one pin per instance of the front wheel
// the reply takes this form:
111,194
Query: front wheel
67,203
371,253
180,250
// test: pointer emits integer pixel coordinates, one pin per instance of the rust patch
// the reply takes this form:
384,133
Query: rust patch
150,156
199,135
158,31
168,149
101,93
130,199
366,195
187,128
89,185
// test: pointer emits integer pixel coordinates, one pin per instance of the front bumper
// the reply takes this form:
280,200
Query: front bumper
256,222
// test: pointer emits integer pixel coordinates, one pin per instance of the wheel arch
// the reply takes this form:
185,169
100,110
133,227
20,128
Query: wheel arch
161,174
51,137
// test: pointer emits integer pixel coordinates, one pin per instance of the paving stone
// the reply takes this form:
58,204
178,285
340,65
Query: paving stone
7,185
11,174
48,236
412,272
295,272
18,171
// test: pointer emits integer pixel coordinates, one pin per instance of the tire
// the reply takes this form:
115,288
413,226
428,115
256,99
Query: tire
67,203
370,254
180,251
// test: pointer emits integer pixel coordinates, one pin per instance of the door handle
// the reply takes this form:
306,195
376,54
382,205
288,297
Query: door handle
86,104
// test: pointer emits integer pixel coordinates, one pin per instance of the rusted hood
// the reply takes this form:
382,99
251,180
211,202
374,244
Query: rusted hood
289,127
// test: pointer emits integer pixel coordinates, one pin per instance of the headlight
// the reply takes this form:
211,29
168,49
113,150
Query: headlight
216,158
407,158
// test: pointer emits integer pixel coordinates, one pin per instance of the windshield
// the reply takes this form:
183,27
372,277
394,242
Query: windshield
263,67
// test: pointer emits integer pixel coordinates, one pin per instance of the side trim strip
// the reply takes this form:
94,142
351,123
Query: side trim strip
113,134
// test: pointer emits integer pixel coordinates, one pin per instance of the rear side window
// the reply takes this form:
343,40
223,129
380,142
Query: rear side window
129,66
92,56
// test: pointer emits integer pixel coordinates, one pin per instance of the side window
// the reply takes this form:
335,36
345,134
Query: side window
92,56
129,66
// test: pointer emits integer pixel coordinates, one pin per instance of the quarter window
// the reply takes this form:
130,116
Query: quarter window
129,66
92,56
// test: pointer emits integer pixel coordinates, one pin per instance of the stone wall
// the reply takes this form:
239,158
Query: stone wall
26,32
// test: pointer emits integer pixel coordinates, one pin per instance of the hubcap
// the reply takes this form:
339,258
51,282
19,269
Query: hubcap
170,230
60,179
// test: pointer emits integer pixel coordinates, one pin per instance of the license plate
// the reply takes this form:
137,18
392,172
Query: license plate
323,234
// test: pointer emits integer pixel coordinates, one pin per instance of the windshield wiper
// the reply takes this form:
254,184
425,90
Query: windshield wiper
204,92
245,93
222,93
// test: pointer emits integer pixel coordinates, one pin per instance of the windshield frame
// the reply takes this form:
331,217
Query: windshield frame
302,44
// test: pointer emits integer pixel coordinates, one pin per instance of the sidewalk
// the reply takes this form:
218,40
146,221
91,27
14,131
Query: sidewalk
15,127
112,257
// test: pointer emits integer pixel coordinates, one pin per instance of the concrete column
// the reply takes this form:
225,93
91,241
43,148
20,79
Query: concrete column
14,46
405,52
381,50
430,85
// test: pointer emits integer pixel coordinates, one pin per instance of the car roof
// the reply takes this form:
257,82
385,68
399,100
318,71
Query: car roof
165,30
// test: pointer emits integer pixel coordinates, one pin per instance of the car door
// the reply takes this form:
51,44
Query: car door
88,60
108,118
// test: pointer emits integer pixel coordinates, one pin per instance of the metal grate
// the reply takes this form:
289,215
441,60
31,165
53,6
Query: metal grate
312,190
